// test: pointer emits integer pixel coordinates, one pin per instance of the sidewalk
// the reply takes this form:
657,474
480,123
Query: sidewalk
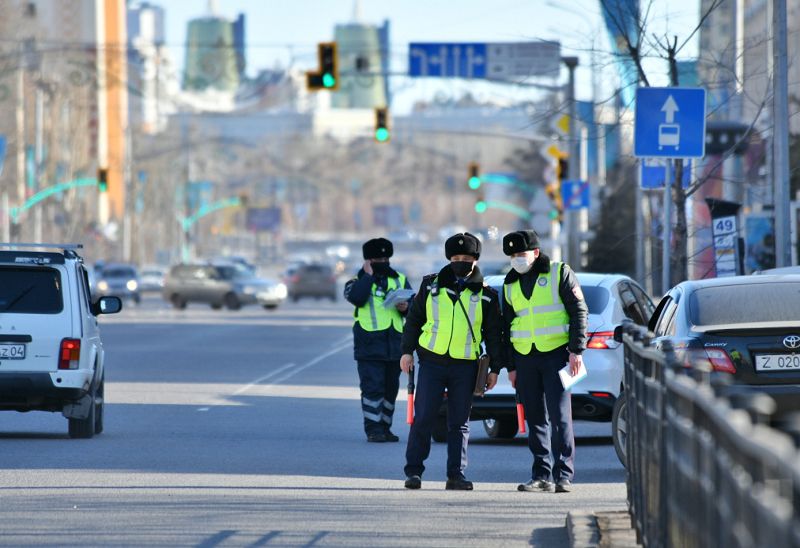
601,529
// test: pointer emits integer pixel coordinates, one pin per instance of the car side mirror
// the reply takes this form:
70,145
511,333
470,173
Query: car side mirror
618,333
108,305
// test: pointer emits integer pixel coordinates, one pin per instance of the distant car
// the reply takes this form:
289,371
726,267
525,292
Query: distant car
747,326
118,280
610,298
151,279
51,355
229,285
312,280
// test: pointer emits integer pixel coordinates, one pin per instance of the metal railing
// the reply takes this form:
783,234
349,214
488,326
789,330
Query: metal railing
704,468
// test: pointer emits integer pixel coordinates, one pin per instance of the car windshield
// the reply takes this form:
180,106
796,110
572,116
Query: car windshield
751,303
30,291
596,298
232,272
119,272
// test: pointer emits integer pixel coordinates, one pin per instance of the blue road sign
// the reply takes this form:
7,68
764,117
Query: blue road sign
670,123
654,171
575,194
464,60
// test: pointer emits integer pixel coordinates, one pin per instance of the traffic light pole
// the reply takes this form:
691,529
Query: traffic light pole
571,236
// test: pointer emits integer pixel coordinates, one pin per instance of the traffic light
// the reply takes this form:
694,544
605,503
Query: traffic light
102,179
480,205
382,124
554,190
474,175
327,77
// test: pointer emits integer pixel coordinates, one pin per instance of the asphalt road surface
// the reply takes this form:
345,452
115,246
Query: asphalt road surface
244,429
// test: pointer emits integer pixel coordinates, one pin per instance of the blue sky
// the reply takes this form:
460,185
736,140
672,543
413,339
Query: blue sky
280,32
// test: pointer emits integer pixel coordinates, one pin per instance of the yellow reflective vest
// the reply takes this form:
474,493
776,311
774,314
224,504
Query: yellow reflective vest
373,316
541,320
446,331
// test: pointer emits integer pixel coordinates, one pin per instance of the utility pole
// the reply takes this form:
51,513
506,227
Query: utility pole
571,218
780,143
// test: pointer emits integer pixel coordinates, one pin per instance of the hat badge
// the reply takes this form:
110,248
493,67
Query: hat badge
461,242
510,244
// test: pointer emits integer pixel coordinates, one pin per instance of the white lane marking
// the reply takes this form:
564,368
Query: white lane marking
259,380
311,363
203,409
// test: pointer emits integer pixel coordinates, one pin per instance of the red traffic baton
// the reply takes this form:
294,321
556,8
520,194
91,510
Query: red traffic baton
520,414
410,407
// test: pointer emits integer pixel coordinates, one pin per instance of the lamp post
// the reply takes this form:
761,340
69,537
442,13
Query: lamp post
571,217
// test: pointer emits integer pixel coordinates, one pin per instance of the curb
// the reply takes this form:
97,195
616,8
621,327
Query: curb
600,529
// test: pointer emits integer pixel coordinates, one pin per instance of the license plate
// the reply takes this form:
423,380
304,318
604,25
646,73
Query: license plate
777,362
12,351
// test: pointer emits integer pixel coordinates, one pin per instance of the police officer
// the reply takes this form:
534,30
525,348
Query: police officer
377,331
544,318
450,316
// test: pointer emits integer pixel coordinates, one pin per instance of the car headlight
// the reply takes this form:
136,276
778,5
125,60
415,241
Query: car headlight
102,285
131,285
249,289
280,291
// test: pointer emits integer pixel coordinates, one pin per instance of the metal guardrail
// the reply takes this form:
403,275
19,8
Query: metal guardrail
704,468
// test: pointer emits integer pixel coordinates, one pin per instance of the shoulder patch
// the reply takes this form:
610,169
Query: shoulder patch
577,292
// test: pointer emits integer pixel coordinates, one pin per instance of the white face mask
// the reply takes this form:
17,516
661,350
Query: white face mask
521,264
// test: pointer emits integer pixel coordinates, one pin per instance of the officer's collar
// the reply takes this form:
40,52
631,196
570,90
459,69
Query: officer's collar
446,278
540,266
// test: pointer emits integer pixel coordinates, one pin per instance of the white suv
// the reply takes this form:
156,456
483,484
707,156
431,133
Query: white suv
51,356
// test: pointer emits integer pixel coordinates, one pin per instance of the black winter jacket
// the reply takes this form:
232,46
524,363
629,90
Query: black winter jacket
491,325
571,295
372,345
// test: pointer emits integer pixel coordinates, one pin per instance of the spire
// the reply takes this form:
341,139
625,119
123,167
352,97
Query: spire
212,7
357,11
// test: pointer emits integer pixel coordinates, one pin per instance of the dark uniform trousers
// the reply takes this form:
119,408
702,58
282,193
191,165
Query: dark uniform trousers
379,381
538,385
459,379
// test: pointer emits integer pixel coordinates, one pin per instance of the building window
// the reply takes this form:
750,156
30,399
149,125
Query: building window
30,10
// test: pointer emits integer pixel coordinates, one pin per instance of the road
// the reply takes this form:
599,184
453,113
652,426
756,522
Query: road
244,429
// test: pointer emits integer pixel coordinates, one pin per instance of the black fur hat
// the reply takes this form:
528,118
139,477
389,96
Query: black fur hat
377,248
521,240
462,244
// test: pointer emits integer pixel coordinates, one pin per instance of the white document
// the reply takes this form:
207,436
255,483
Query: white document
567,380
397,296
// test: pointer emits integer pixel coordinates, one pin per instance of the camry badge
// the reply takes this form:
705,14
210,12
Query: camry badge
792,341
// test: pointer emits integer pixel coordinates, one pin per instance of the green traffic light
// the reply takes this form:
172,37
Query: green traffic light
328,80
102,187
553,214
480,207
474,183
382,134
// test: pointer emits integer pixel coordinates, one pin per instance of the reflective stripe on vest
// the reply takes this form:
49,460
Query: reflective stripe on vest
446,331
373,316
541,320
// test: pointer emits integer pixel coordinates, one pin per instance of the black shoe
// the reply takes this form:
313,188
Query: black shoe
413,482
458,484
377,438
390,436
563,486
542,485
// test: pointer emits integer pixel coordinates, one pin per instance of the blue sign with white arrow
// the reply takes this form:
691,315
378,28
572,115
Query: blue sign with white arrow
461,60
670,123
654,172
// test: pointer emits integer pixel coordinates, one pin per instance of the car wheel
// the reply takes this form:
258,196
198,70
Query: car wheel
232,302
500,428
137,299
216,306
84,428
295,298
99,401
270,306
439,432
178,302
619,428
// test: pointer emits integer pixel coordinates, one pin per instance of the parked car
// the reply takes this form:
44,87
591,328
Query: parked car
118,280
312,280
52,359
746,326
610,298
151,279
230,285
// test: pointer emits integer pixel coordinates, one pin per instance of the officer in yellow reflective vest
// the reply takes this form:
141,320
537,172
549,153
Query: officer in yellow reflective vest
377,331
544,319
452,313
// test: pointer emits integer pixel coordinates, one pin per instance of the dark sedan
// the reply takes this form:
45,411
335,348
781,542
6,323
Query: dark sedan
746,326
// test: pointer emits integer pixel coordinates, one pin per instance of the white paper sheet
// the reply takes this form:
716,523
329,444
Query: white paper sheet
567,380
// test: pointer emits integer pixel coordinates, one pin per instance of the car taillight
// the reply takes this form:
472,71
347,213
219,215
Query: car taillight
602,340
716,358
70,354
294,279
600,395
